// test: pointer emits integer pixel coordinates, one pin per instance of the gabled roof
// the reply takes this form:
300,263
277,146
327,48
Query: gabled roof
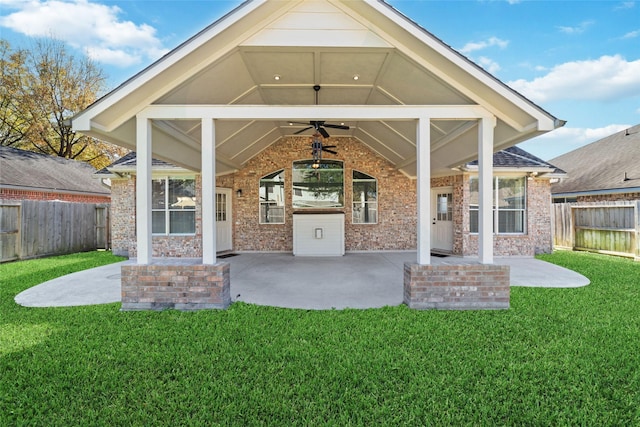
26,170
602,165
517,158
271,53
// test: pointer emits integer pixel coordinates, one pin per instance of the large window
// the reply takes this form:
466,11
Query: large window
173,205
509,205
318,185
272,198
365,199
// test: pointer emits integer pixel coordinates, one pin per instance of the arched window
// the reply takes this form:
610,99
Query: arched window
365,198
272,198
318,185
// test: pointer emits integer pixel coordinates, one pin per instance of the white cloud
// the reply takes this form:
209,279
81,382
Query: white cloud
93,27
625,5
631,34
603,79
576,30
489,64
490,42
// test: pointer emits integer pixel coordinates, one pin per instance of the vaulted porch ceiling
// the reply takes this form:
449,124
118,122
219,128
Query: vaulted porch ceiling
272,53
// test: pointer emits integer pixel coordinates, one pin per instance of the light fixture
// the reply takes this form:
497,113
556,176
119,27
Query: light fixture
356,77
316,164
239,192
277,77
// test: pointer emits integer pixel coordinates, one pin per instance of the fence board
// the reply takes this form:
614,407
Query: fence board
30,229
607,227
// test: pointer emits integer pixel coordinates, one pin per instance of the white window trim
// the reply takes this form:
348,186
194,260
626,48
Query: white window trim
496,218
353,202
284,204
167,217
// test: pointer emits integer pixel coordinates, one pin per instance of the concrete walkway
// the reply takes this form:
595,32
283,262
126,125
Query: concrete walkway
357,280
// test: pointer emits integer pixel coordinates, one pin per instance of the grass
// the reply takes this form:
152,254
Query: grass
557,357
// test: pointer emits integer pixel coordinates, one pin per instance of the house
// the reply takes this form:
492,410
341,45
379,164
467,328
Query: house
319,127
605,170
25,175
523,185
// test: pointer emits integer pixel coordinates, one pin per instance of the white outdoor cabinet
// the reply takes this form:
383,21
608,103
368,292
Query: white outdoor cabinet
318,234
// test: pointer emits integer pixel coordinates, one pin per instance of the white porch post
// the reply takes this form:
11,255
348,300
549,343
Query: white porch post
143,190
208,171
485,190
423,146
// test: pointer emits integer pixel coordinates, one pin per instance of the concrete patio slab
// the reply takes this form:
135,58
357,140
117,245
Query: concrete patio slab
356,280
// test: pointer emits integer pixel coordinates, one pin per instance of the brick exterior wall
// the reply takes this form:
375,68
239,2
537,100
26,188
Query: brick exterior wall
537,238
181,287
456,287
12,194
397,218
618,197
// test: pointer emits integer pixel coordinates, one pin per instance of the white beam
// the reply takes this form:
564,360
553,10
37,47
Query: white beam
327,112
143,191
208,192
485,191
423,183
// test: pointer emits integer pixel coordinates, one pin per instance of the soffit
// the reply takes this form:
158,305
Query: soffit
326,43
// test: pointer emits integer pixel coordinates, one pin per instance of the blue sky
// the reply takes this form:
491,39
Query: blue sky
579,60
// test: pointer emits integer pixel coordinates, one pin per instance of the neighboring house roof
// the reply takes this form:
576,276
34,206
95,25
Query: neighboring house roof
602,166
26,170
517,158
254,71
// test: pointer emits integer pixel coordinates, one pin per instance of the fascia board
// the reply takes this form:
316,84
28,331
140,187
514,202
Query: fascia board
546,121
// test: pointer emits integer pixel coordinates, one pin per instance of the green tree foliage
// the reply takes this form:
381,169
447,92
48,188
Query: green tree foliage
42,88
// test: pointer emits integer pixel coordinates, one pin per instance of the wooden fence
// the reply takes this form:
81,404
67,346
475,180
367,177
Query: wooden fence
605,227
30,229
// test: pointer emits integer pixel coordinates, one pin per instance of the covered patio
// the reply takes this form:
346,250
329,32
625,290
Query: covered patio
248,81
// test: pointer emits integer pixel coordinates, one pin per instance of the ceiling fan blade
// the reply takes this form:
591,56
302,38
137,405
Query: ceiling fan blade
302,130
329,146
329,125
329,151
323,132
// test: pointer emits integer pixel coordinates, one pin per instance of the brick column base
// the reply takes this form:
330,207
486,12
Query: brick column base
181,287
456,287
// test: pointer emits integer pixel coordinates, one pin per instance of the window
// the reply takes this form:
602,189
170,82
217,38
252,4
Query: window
173,206
509,205
272,198
365,199
318,187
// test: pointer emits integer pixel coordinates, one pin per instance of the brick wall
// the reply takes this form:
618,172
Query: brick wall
456,287
397,219
12,194
619,197
537,238
183,287
396,227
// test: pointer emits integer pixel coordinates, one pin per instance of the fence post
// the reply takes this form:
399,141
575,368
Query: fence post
637,233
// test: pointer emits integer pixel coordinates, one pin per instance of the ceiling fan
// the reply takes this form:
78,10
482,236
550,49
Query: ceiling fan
319,125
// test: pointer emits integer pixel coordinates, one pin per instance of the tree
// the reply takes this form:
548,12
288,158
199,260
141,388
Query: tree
46,86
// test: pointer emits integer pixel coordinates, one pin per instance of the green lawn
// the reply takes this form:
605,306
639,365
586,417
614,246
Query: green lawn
557,357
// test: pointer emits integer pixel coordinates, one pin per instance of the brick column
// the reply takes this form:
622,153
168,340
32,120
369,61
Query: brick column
456,287
181,287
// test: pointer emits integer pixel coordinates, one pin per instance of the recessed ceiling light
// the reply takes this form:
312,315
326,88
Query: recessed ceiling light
277,77
356,77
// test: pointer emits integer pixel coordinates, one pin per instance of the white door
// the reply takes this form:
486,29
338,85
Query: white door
442,219
223,220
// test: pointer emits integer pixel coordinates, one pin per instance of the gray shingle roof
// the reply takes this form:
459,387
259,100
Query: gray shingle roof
128,162
515,157
35,171
601,165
